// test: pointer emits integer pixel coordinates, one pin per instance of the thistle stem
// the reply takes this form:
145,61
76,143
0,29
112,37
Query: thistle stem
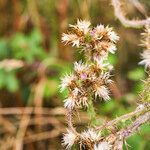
91,112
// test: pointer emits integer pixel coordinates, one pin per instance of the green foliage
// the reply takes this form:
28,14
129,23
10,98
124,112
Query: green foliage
91,112
51,88
137,141
3,49
27,47
20,46
8,80
136,74
112,59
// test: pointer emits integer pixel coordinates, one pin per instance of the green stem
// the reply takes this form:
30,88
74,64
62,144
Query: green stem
91,112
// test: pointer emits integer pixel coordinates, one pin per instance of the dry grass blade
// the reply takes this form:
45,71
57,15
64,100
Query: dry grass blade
18,145
9,64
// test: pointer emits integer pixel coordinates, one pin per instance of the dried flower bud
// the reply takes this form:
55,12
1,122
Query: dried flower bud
103,92
146,43
10,64
71,39
70,102
112,48
113,36
83,26
146,58
102,146
67,81
69,139
90,135
81,69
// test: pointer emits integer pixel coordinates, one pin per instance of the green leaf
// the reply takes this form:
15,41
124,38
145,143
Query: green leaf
3,49
36,37
138,87
112,59
2,78
135,142
51,88
136,74
12,82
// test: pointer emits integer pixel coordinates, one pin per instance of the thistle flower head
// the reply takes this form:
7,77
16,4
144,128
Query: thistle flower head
80,67
69,139
146,58
94,41
146,38
76,99
67,81
91,135
105,76
113,36
112,48
82,26
71,39
106,33
146,43
103,92
102,146
70,102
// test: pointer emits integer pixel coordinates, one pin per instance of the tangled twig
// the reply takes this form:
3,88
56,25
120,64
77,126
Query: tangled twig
120,14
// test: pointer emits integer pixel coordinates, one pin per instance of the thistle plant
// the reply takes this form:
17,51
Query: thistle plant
90,80
91,77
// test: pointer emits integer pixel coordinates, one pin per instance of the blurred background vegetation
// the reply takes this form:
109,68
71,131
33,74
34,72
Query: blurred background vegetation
32,60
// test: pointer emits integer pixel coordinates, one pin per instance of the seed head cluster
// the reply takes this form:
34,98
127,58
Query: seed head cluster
89,78
69,139
88,139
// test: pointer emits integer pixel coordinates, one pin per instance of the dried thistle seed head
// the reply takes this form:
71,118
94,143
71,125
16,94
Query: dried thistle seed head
94,41
90,135
82,26
113,36
98,32
112,48
102,146
67,81
76,99
146,58
84,101
100,63
146,43
101,48
71,39
102,91
146,38
75,92
105,76
70,102
69,139
81,69
104,33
